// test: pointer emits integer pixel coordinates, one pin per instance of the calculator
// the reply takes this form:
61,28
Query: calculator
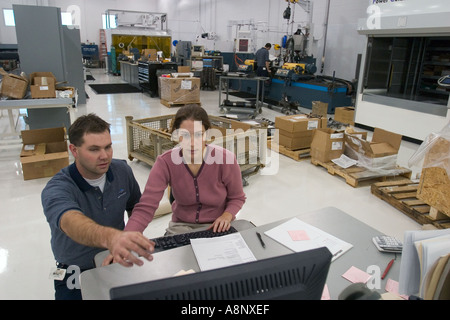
387,244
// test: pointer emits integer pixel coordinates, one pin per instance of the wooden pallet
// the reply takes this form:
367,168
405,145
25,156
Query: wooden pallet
170,104
297,155
402,194
354,175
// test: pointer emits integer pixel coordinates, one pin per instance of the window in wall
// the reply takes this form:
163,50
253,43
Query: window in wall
109,23
8,15
66,18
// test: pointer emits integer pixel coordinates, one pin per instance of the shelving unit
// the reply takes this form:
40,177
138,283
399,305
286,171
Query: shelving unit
103,48
435,64
408,68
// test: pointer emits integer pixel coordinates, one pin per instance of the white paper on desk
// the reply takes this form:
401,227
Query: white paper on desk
219,252
317,238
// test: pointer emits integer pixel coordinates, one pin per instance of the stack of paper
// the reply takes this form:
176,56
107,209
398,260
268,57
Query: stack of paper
300,236
219,252
425,262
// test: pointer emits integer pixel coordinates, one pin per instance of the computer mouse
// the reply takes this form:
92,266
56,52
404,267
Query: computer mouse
358,291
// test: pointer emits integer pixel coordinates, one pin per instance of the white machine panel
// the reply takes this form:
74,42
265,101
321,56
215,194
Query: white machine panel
405,16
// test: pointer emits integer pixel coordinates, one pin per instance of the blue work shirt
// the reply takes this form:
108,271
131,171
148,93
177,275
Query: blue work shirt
68,190
262,56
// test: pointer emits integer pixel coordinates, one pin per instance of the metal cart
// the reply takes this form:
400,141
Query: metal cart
243,109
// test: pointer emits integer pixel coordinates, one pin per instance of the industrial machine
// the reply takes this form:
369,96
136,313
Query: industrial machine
294,82
296,71
248,66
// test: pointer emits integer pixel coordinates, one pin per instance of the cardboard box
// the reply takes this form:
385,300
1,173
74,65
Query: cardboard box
358,134
44,152
296,140
184,69
320,108
327,144
384,143
150,54
65,92
299,122
42,85
180,90
380,153
296,131
13,86
345,115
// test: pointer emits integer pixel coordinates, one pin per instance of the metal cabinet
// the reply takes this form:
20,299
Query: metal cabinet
148,73
44,44
129,73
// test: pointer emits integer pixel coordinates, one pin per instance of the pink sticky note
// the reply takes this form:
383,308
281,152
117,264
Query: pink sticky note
356,275
298,235
392,287
326,293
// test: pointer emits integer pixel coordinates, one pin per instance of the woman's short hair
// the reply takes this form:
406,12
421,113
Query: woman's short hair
90,123
190,112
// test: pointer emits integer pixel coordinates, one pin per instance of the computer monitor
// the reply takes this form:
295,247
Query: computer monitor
299,275
197,51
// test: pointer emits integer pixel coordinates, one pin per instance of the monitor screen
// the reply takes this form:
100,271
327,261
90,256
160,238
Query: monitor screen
198,48
208,63
300,275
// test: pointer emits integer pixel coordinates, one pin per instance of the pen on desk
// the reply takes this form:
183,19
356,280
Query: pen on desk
260,239
334,255
387,269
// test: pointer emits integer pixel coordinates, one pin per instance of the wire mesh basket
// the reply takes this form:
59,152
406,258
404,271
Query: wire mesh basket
150,137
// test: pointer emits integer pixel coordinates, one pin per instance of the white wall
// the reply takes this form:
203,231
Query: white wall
343,41
188,19
8,34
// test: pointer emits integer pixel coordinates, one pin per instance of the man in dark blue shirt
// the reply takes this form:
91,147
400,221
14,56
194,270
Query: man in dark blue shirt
263,61
85,205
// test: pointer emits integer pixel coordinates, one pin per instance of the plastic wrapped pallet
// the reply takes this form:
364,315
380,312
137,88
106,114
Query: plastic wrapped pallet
378,155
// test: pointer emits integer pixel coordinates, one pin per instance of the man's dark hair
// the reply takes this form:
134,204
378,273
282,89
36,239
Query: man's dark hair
190,112
268,45
90,123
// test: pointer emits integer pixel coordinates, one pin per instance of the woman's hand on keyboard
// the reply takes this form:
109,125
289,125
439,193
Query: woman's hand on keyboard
222,223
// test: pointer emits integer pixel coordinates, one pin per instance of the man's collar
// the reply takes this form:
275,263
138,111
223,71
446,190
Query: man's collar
81,182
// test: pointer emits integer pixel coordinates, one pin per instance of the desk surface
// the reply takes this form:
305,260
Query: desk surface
96,283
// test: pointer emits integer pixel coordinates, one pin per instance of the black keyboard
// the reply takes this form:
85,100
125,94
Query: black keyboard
183,239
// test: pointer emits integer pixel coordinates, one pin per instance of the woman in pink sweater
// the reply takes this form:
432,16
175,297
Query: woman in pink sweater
205,180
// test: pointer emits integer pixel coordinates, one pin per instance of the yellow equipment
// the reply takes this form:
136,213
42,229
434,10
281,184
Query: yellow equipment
298,68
